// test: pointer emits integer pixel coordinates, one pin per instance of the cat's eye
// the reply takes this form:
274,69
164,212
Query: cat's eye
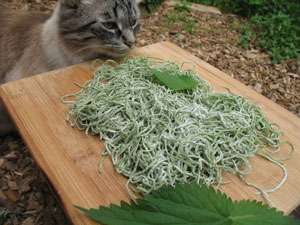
136,28
134,23
110,25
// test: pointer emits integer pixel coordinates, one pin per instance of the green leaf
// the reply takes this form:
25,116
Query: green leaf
188,204
176,82
3,215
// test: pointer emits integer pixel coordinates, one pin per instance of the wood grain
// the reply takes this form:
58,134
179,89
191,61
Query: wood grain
70,158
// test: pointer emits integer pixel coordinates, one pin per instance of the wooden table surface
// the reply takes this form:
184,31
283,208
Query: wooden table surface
70,158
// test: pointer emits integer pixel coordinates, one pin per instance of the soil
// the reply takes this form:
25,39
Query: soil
25,192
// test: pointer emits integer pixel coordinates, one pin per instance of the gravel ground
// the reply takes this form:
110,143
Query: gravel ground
25,191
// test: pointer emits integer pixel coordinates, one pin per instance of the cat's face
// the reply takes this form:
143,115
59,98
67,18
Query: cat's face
106,27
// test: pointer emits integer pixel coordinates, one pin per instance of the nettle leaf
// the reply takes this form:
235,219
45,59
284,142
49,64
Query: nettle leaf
3,215
188,204
176,82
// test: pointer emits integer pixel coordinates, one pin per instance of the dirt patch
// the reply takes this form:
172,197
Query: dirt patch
34,5
25,193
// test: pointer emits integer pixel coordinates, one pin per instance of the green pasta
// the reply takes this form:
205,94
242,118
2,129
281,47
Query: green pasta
156,136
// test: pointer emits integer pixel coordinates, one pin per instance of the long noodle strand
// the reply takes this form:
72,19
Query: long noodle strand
158,137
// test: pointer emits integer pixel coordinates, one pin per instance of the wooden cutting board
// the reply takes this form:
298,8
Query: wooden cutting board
70,158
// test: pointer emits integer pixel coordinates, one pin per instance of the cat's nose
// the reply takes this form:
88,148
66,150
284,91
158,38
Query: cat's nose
129,39
129,43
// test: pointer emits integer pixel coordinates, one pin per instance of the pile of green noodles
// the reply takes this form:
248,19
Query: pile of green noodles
158,137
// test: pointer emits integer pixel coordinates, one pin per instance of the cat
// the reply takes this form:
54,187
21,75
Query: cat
77,31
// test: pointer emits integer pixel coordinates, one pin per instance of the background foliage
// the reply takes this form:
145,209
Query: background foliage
274,25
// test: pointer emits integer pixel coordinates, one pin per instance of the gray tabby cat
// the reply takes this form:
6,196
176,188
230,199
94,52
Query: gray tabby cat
78,30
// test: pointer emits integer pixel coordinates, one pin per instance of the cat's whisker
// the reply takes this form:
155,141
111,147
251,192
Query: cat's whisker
100,47
88,48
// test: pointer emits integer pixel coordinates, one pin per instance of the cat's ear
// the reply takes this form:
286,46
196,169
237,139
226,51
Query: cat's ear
71,3
139,1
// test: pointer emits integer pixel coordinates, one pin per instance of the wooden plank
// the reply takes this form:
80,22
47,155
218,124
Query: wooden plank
197,7
70,158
